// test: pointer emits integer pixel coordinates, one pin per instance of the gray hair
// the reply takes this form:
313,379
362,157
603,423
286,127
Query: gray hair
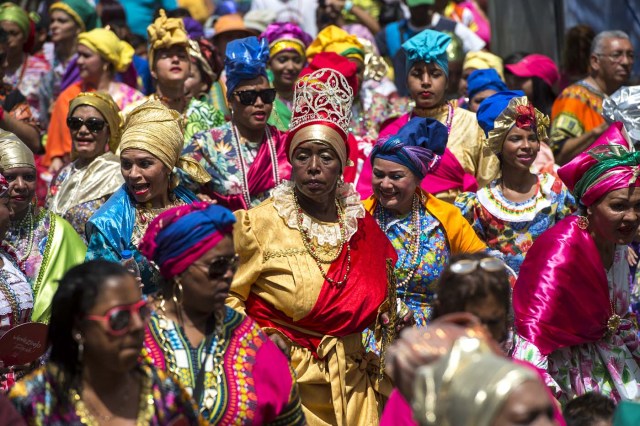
598,40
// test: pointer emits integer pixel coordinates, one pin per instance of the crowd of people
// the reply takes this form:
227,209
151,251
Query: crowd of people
334,213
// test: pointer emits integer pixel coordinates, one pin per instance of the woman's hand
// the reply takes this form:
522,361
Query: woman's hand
632,257
403,322
56,164
206,199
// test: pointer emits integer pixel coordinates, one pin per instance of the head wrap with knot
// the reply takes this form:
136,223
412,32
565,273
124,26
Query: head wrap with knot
14,153
83,13
245,59
481,80
483,60
13,13
623,106
283,36
178,237
205,56
107,44
336,40
165,32
323,96
500,112
418,146
104,103
156,129
609,164
429,46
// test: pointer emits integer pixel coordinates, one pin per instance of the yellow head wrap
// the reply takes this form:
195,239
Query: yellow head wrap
14,153
156,129
104,103
164,33
337,40
107,44
14,13
482,61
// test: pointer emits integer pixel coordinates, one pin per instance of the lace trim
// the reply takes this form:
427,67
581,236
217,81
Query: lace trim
324,233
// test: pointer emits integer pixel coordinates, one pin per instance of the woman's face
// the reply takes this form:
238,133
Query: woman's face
286,67
206,282
427,84
527,404
520,148
393,185
102,348
474,103
615,218
146,177
22,188
87,144
492,314
90,64
172,65
315,170
62,27
16,38
5,216
194,86
463,83
252,117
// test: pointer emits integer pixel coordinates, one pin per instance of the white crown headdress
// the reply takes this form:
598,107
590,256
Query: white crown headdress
324,95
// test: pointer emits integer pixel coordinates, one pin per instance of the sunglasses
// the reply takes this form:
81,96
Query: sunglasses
93,124
249,97
467,266
220,265
118,319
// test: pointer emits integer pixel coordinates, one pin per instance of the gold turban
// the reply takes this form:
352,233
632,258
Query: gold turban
466,387
483,60
156,129
164,33
107,44
337,40
510,116
104,103
14,153
325,135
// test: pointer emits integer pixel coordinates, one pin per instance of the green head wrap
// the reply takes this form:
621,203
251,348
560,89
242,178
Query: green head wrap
13,13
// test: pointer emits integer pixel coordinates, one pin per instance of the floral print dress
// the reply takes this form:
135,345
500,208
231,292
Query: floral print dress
608,366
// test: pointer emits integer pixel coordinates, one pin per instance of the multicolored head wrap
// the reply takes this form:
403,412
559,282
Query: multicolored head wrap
500,112
607,165
245,59
429,46
166,32
178,237
83,13
104,103
205,56
14,153
481,80
107,44
483,60
336,40
283,36
156,129
418,145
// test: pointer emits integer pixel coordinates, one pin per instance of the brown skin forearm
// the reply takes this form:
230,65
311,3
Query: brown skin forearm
574,146
25,132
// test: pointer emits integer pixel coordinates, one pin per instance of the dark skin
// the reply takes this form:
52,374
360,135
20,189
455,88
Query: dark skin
519,151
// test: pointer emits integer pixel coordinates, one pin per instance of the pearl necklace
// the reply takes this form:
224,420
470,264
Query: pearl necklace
243,167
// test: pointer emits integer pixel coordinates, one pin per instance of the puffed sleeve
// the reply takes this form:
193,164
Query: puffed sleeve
469,206
251,261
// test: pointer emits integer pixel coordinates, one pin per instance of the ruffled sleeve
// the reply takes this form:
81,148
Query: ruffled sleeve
527,351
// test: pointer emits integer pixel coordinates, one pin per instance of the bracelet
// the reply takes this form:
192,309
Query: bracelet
348,5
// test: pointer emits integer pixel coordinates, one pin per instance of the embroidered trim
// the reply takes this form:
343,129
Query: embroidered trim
267,255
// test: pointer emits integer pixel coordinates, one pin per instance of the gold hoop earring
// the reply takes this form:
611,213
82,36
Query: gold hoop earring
178,295
583,222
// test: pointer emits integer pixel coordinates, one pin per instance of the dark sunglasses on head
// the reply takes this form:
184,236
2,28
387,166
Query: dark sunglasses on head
249,97
93,124
220,265
118,320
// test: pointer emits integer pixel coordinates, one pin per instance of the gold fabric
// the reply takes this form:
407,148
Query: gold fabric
105,104
466,387
107,44
166,32
337,40
468,144
341,386
100,178
483,60
506,120
196,53
320,133
156,129
14,153
286,44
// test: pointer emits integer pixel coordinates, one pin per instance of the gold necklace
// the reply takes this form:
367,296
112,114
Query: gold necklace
145,215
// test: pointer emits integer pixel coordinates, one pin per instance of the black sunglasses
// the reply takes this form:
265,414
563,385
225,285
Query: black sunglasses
93,124
220,265
249,97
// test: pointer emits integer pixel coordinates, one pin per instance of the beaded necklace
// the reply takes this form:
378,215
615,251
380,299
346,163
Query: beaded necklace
311,249
243,167
27,223
9,295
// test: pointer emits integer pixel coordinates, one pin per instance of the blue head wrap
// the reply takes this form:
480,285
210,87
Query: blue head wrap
418,145
493,106
428,46
481,80
245,59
